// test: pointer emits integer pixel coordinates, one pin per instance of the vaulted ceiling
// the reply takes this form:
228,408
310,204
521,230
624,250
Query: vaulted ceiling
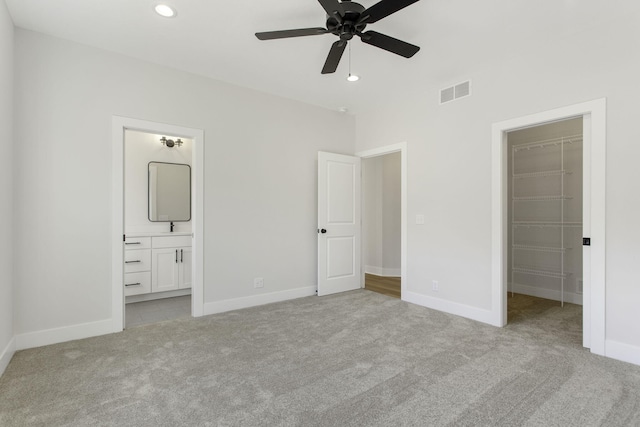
216,38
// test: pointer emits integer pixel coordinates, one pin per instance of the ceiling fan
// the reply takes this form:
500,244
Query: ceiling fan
347,19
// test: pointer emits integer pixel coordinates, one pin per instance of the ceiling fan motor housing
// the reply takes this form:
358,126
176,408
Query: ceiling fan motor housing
348,28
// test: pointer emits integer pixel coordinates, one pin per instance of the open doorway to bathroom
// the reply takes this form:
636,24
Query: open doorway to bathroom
544,227
157,227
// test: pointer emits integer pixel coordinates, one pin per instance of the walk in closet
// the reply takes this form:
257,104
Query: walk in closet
545,211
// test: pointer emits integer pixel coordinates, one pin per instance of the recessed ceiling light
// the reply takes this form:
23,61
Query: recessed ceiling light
353,78
166,11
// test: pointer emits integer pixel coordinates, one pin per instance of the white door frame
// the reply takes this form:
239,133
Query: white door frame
381,151
119,125
594,152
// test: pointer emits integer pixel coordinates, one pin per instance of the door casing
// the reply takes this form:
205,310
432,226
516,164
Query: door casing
119,125
594,175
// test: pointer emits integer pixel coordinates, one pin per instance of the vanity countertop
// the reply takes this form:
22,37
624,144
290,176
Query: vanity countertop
158,233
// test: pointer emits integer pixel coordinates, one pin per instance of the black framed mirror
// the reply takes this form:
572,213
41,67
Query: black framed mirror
169,192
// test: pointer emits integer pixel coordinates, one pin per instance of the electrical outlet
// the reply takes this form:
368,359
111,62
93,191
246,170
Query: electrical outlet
420,219
258,282
435,286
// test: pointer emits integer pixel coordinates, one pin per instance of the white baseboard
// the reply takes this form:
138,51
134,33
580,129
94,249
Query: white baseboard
473,313
7,354
380,271
66,333
552,294
620,351
255,300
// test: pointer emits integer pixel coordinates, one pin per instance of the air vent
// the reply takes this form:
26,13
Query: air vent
447,95
455,92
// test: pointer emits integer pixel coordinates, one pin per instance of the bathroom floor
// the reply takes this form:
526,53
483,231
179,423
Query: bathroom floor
143,313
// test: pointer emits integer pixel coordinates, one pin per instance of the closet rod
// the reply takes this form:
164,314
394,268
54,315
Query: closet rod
541,174
548,142
545,224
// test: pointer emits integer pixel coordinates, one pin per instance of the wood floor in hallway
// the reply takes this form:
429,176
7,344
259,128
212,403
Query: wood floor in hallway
389,286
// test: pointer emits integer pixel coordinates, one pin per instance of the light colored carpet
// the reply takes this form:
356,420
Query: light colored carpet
355,359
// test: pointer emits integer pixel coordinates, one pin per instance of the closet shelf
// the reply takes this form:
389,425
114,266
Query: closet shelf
540,198
545,224
534,166
540,248
548,143
541,174
539,272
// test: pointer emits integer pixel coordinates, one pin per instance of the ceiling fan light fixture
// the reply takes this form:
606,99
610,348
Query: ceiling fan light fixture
353,78
165,10
346,19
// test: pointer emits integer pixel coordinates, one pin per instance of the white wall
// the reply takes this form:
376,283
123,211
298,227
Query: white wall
372,214
6,186
391,221
260,155
140,148
449,165
381,214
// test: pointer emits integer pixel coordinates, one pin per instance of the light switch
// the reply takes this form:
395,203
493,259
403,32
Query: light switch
419,219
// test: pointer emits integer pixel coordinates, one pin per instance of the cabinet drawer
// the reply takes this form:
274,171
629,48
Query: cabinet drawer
171,241
137,260
137,243
137,283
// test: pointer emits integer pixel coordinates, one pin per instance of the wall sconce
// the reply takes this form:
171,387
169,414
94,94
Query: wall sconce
170,142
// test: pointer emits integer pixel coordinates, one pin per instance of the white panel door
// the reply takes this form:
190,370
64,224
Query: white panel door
338,223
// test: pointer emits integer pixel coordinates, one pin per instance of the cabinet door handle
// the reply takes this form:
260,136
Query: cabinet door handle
176,256
129,262
133,243
181,257
133,284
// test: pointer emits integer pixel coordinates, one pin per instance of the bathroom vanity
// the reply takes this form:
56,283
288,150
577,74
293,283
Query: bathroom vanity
157,265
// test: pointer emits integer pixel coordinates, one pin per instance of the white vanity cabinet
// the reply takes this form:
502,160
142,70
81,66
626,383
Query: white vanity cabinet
137,265
171,263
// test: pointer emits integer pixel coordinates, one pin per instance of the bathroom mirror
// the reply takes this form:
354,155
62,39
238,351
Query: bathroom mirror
169,192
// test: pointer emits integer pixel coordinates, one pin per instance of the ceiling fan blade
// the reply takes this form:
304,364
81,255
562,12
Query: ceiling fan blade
333,8
389,43
333,59
283,34
383,9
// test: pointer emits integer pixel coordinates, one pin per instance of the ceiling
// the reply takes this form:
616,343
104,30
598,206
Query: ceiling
216,39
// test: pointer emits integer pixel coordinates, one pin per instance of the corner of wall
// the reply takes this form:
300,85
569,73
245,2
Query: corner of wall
7,48
7,354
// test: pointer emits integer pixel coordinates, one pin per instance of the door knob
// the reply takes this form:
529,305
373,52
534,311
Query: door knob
323,230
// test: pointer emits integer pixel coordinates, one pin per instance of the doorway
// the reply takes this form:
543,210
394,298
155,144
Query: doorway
593,114
381,223
157,225
339,219
544,227
183,246
384,250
